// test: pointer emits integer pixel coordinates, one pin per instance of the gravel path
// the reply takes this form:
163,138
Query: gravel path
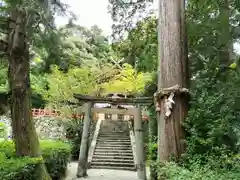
101,174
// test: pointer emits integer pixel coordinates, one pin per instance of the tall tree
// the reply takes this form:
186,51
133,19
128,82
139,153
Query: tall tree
20,20
225,36
24,132
173,78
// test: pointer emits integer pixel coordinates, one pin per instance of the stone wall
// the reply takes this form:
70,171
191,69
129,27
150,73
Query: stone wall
50,128
46,127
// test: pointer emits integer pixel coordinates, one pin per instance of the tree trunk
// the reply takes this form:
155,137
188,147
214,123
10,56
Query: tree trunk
173,71
225,39
24,132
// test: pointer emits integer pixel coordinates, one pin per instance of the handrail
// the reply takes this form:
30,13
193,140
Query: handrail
94,141
133,141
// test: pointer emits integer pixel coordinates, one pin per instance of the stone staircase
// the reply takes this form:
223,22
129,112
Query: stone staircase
113,149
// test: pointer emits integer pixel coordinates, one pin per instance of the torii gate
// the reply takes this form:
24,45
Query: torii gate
138,129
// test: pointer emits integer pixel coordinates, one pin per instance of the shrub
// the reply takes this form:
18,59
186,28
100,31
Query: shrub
171,171
18,168
213,121
3,130
152,158
74,129
152,149
56,156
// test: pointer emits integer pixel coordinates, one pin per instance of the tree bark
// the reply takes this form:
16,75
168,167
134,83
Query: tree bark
225,38
173,71
24,132
83,155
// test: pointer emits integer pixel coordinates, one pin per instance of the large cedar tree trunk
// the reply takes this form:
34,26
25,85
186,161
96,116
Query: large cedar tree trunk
173,71
24,132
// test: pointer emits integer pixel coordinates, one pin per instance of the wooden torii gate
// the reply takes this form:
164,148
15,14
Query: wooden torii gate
138,129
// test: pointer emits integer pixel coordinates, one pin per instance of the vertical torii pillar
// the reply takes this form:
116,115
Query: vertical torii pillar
140,159
83,155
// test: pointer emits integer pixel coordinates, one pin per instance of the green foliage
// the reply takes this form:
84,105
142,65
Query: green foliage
3,77
19,169
171,171
55,155
74,129
140,47
129,81
82,47
62,86
213,122
125,13
3,130
152,151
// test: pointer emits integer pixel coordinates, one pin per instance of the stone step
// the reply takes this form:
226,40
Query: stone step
113,145
101,153
116,164
107,159
114,140
102,144
118,141
116,133
113,150
114,121
113,137
120,131
112,167
116,137
113,157
116,129
115,125
109,130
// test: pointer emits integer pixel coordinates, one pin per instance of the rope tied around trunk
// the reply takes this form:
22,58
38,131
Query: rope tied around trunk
168,102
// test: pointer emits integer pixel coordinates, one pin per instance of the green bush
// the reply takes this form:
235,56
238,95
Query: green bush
56,156
172,171
3,130
152,151
18,168
74,135
213,121
152,158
